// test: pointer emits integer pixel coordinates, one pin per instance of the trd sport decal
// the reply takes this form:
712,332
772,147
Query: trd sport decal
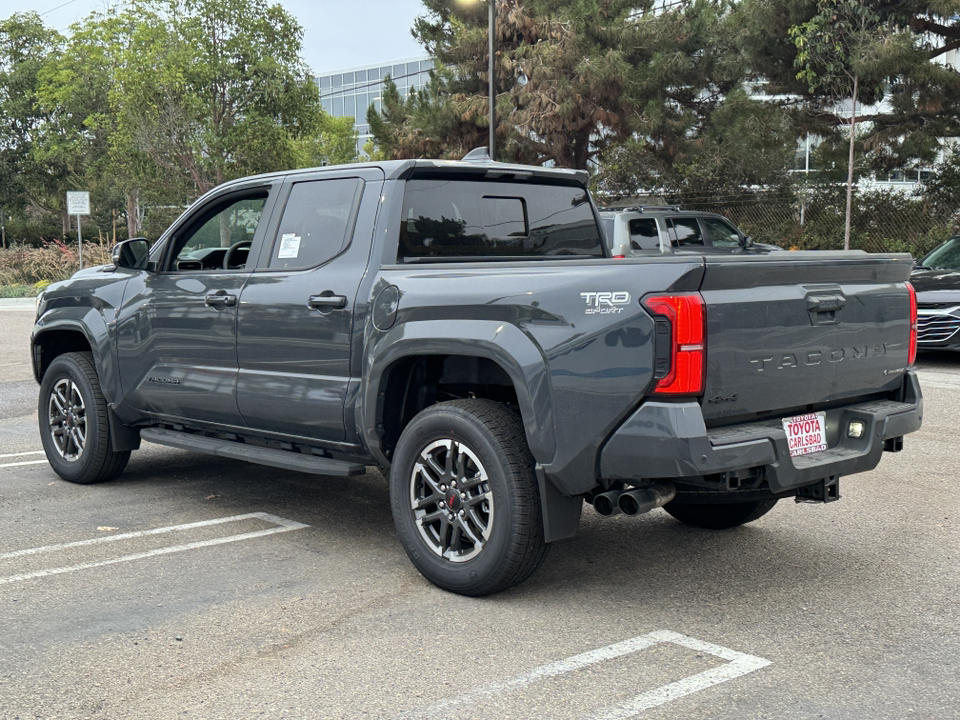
605,303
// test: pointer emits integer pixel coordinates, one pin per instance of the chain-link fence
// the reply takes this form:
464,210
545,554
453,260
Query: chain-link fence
882,221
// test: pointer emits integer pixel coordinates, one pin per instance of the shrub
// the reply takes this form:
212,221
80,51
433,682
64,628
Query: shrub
17,291
52,262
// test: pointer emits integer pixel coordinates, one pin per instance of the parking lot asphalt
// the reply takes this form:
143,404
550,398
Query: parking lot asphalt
195,587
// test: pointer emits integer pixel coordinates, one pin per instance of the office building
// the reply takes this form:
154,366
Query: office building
350,92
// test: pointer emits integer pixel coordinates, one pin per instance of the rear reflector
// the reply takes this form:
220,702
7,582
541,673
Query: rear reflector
688,348
912,350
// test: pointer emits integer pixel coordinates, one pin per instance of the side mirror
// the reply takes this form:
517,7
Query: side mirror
132,254
748,241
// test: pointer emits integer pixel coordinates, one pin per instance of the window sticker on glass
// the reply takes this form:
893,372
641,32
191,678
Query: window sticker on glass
289,245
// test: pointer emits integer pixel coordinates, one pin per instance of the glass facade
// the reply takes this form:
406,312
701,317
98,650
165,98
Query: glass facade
351,92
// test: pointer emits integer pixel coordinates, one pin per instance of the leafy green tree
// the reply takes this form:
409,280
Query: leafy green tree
741,145
216,89
332,142
909,94
840,47
560,87
649,95
156,102
83,94
26,48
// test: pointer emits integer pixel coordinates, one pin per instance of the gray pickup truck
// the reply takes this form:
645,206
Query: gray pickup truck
462,327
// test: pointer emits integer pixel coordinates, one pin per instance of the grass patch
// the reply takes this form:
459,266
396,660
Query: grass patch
18,291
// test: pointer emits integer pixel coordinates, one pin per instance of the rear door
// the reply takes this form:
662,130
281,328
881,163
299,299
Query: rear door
814,328
296,314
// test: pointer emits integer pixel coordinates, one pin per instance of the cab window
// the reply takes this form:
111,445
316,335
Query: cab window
685,232
220,235
471,218
316,221
722,234
644,234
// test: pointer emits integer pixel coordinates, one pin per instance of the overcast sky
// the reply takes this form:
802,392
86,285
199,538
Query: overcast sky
338,34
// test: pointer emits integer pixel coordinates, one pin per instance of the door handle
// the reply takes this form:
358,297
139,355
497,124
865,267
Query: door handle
824,308
327,301
825,303
220,300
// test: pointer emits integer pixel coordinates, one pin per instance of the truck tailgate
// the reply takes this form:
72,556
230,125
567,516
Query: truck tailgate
790,331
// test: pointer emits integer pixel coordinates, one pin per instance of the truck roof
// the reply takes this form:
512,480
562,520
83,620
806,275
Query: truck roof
401,169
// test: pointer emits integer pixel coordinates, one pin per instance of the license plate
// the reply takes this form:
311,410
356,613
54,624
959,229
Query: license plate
806,433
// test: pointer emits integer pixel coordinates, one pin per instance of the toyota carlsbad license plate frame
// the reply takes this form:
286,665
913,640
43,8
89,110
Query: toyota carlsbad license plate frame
806,434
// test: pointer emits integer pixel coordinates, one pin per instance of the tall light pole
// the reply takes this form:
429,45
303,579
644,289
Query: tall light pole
491,48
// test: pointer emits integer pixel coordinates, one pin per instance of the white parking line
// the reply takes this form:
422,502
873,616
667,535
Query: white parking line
740,664
283,525
18,454
28,462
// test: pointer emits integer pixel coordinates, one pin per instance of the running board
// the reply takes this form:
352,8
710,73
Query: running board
251,453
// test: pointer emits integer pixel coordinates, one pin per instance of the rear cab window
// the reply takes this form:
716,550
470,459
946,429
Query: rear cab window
479,219
644,234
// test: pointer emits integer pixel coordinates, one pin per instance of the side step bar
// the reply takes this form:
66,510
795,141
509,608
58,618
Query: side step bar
252,453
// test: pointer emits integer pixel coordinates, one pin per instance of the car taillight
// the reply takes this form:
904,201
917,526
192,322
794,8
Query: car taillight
688,342
912,350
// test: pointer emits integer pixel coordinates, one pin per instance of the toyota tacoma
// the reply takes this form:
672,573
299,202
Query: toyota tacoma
462,326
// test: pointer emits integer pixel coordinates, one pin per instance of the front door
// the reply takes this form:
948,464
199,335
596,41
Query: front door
177,327
295,324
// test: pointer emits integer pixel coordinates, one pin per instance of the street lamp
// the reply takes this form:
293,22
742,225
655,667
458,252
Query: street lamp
491,47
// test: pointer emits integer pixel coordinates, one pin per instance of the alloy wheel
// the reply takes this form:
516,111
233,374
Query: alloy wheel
67,419
451,500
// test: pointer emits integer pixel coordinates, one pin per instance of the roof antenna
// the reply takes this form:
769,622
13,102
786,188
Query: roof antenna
478,155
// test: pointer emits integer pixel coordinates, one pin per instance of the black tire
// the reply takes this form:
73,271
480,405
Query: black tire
719,516
77,441
495,538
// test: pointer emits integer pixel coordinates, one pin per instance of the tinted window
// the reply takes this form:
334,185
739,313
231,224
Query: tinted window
722,234
461,218
315,222
685,231
644,234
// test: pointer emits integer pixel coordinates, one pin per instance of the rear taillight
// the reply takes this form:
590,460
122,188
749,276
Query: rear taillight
912,350
688,342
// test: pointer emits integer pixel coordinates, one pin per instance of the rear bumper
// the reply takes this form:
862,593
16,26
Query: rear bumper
670,440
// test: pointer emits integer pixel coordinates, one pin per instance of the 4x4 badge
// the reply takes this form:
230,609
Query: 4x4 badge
723,398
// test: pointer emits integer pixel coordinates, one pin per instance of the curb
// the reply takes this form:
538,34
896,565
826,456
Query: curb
18,303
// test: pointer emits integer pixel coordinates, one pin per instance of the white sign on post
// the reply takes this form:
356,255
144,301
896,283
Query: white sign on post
78,203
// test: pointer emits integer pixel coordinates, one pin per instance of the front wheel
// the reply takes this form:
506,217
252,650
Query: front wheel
74,427
465,499
719,516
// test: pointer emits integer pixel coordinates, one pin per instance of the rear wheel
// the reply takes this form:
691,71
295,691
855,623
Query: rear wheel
719,516
74,427
465,499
